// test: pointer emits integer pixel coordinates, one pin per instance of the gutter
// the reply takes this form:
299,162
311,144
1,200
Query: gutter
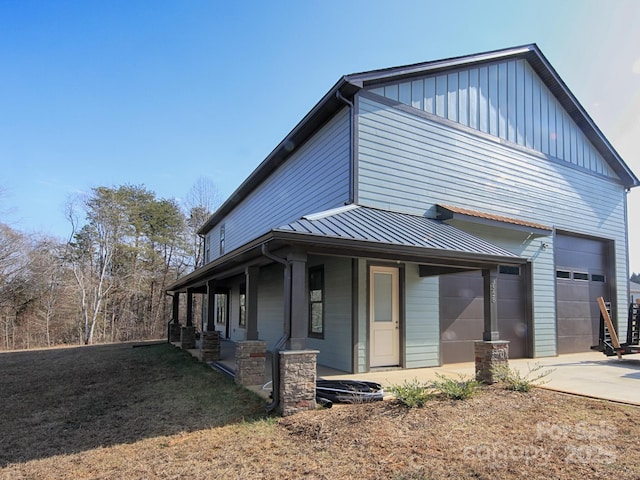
352,148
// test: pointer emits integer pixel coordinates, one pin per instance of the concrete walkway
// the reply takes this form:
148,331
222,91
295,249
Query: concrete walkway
590,373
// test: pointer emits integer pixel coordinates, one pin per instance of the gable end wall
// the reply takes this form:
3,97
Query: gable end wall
411,162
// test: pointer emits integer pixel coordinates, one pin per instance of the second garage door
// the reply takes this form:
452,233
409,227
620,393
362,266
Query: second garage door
462,313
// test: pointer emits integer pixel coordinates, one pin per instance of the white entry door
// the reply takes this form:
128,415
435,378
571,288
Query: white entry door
384,317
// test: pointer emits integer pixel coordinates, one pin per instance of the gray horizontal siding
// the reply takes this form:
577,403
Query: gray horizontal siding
315,178
421,315
335,348
271,304
504,99
409,163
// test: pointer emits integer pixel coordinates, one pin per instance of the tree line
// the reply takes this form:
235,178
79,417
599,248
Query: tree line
107,281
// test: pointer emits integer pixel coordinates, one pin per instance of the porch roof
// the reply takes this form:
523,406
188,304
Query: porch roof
359,231
355,222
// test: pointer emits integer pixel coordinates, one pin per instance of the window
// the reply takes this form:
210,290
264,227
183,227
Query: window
316,302
243,306
222,239
597,278
221,308
580,276
563,274
509,270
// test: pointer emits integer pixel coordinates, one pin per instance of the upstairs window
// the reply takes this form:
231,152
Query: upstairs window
316,302
222,239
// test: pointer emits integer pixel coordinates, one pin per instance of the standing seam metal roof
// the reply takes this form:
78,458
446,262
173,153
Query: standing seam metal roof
394,228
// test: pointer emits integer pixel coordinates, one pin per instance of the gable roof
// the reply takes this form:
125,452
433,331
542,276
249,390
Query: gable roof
336,99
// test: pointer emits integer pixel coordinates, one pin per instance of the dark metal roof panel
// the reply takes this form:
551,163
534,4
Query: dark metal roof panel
393,228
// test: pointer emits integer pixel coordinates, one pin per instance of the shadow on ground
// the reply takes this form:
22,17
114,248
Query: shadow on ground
63,401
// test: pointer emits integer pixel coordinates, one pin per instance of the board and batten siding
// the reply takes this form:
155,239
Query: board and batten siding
421,319
409,161
316,177
504,99
335,348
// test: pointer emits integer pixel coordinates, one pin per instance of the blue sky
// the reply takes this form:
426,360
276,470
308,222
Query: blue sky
162,92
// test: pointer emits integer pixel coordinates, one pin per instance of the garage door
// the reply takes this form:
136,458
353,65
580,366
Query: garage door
462,313
581,266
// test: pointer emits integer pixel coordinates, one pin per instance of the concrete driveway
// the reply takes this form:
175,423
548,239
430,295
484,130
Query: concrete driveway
591,374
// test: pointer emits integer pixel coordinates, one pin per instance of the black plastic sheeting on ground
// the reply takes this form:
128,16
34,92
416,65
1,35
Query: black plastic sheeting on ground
347,391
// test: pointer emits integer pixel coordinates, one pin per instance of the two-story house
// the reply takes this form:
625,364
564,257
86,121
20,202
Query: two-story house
417,209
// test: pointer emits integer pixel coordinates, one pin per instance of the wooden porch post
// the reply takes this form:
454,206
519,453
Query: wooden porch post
299,303
490,277
251,302
211,305
189,307
176,308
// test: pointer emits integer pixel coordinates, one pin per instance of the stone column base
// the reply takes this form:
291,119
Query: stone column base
188,338
297,381
488,355
174,332
251,357
210,346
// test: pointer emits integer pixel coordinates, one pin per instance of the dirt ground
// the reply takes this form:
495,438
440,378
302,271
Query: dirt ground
152,412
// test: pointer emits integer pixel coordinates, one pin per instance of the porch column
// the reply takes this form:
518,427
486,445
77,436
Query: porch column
189,307
251,301
490,351
174,326
176,308
299,304
490,277
188,332
211,305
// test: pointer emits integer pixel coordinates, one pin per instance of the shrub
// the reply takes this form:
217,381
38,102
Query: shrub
456,389
412,393
512,379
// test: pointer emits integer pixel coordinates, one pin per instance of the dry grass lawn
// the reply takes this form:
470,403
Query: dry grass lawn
153,412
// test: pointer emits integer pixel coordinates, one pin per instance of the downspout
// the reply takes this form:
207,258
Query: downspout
275,357
352,147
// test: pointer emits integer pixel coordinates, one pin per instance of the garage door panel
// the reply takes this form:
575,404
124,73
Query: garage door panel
577,309
575,326
577,290
463,329
568,258
575,343
462,315
457,352
574,309
465,285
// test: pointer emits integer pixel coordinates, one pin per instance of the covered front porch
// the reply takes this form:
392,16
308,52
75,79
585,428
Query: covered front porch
348,289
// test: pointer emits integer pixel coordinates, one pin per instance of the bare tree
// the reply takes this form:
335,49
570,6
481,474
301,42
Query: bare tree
12,289
201,201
